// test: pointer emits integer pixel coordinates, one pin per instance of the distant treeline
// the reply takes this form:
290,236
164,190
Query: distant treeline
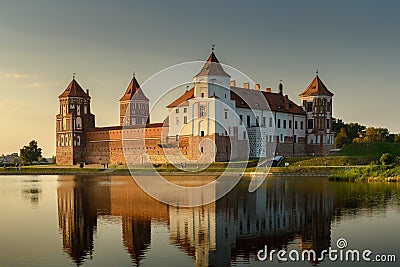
347,133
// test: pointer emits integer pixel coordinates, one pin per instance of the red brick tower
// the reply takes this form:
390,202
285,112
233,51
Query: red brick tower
134,105
71,123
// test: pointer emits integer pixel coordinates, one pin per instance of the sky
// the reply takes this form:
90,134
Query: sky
353,44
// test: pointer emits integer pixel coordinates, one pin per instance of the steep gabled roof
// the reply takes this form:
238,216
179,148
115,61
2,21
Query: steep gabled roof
182,99
277,103
256,99
316,87
212,67
74,90
134,92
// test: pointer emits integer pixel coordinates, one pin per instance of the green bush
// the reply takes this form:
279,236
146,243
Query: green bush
386,159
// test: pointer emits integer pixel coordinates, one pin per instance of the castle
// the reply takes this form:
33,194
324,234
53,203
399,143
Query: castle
239,121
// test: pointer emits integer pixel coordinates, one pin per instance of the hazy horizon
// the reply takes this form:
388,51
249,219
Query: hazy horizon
353,44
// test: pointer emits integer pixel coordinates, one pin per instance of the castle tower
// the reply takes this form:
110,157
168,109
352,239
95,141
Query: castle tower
317,103
135,104
71,123
212,80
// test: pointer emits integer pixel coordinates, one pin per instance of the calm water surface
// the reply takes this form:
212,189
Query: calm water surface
109,221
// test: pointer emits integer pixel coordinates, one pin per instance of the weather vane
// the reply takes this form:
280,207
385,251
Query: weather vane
133,74
213,47
73,75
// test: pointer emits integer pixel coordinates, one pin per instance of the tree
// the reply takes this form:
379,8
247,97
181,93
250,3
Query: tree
397,138
386,159
341,139
31,153
373,134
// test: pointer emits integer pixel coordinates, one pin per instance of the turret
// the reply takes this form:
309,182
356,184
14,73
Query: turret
72,122
317,103
134,105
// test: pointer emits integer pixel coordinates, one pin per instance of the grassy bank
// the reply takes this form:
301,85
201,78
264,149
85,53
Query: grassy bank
390,173
370,150
329,161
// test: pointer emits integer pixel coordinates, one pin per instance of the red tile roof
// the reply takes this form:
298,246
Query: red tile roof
182,99
74,90
316,87
251,99
134,92
212,67
256,99
277,103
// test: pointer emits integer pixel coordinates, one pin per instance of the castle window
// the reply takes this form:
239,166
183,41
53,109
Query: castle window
290,124
177,110
282,138
302,125
270,122
78,123
240,119
202,110
202,133
78,110
244,135
257,121
185,119
78,140
201,149
279,123
248,121
184,110
328,124
202,95
264,122
309,106
328,106
85,109
284,124
295,124
177,120
226,115
310,124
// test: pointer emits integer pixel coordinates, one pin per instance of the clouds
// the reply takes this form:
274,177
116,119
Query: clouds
18,76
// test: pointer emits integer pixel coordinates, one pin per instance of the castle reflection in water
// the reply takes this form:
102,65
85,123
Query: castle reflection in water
283,212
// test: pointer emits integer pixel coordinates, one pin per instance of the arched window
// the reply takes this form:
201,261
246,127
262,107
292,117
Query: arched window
78,123
78,140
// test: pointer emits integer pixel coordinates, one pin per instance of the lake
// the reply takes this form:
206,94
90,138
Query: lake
109,221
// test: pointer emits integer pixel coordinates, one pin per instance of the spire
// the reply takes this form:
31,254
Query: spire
74,90
212,66
134,91
316,87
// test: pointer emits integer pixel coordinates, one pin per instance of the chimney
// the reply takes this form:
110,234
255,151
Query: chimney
233,83
280,88
87,92
268,89
246,85
257,86
286,99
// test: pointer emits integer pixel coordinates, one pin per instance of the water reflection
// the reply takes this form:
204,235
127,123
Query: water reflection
282,213
31,192
79,204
